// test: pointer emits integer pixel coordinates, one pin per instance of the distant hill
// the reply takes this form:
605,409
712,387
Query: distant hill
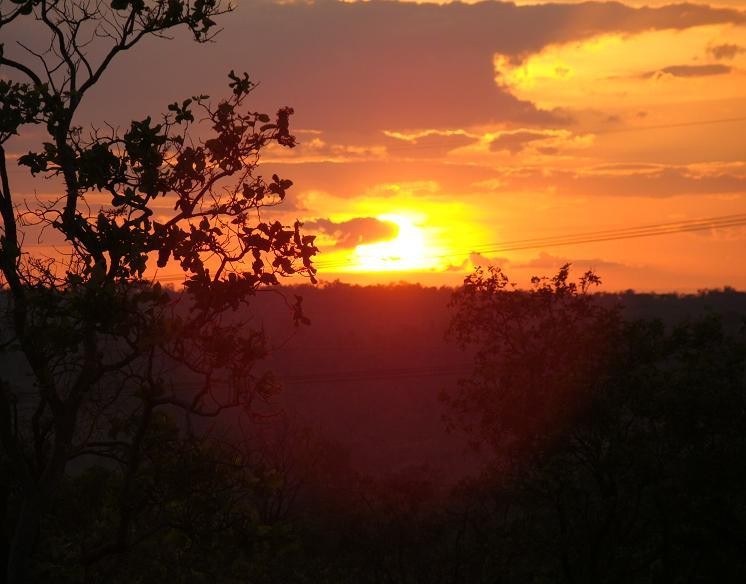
368,370
365,376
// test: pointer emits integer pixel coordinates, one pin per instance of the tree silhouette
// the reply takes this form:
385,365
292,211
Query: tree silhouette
95,342
536,352
613,443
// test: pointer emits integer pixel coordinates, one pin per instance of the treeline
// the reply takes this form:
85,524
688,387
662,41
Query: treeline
609,448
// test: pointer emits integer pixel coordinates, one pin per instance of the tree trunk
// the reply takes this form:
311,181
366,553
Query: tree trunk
26,533
4,542
24,540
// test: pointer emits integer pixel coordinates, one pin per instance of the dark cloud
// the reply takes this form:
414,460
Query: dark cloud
478,259
405,65
626,167
691,70
355,68
355,178
462,267
622,179
543,261
428,146
356,231
669,181
653,181
488,183
725,51
515,142
547,261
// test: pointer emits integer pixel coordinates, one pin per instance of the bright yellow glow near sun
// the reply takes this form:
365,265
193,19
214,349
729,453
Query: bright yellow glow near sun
406,252
627,69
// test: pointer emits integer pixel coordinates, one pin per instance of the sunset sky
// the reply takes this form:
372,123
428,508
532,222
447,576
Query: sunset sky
432,137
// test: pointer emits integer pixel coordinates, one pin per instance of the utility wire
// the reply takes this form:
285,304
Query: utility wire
650,230
390,374
706,222
376,375
647,230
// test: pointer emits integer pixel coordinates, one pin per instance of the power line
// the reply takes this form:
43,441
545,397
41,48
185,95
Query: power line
646,230
376,375
649,230
709,221
631,235
387,374
27,401
567,240
670,125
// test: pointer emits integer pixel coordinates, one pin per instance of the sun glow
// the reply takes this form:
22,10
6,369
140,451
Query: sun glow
634,69
407,251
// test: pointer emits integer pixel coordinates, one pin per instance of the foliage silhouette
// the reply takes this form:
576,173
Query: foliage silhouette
99,342
537,353
615,442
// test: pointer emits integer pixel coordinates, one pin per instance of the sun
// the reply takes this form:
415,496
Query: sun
408,251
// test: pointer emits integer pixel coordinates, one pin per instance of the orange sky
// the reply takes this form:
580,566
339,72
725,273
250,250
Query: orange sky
432,132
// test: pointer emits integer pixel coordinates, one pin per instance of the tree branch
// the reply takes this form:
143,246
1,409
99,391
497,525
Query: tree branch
22,68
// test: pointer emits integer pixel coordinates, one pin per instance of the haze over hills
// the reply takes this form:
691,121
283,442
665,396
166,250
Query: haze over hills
368,371
366,375
353,453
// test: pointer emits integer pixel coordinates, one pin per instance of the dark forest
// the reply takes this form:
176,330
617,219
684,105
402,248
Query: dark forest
369,461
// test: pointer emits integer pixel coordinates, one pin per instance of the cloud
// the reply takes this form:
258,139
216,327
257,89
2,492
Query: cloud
478,259
627,167
547,142
548,261
316,149
378,178
432,180
725,51
393,189
690,71
622,180
515,142
428,143
368,66
354,232
405,65
462,267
